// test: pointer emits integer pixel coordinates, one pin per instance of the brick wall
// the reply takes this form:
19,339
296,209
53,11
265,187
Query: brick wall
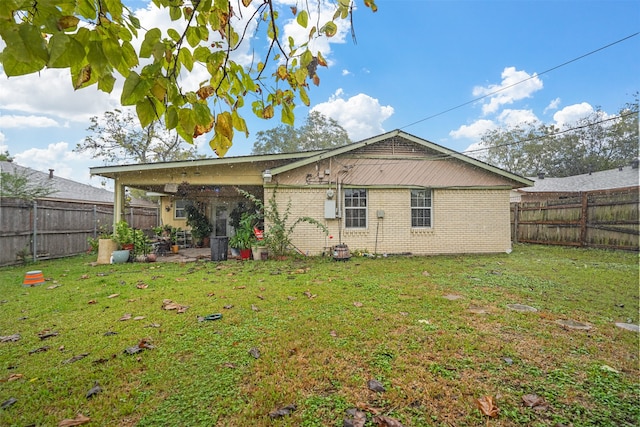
464,221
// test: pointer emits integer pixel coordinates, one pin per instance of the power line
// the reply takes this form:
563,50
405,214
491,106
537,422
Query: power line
521,81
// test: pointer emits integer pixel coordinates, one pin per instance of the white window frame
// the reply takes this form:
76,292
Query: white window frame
348,209
421,203
179,210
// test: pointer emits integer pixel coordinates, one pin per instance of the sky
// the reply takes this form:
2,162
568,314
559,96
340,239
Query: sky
445,71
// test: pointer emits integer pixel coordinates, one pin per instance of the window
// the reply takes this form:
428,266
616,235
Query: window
421,208
180,211
355,208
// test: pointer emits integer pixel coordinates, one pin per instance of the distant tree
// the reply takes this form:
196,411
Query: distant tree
118,138
5,157
22,184
593,143
318,132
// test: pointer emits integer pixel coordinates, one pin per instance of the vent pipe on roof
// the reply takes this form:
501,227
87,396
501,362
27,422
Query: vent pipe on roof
634,163
540,175
51,173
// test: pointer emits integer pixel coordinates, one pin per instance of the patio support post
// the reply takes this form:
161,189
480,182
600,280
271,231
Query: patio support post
118,205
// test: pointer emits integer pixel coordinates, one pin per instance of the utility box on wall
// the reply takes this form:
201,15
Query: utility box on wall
330,209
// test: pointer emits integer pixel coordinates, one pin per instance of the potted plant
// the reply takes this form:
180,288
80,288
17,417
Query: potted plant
243,238
200,225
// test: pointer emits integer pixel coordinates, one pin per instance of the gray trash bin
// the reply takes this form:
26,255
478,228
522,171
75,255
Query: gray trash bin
219,247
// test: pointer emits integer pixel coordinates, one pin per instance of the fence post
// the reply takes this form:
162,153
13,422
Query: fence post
584,212
516,212
35,231
95,222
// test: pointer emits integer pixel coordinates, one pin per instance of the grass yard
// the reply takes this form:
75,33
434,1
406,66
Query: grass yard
435,332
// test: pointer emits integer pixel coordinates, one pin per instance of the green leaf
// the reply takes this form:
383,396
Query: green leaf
106,82
329,29
171,117
135,89
64,51
150,40
175,13
304,97
175,36
220,144
239,123
115,8
287,114
146,112
193,36
184,56
303,18
86,8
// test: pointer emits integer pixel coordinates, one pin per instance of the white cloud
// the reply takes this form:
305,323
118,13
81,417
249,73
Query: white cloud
515,85
50,93
11,121
346,72
474,130
571,113
58,156
553,105
510,117
361,115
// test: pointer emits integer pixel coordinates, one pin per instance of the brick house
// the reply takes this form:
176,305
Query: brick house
393,193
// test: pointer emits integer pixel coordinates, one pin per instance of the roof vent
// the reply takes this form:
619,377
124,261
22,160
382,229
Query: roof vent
51,173
634,163
540,175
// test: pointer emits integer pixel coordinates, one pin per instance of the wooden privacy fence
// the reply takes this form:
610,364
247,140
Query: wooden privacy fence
598,219
47,229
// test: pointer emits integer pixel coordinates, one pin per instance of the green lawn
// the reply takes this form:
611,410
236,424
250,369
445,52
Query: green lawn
323,330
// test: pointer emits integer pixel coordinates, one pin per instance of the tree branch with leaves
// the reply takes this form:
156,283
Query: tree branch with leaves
94,40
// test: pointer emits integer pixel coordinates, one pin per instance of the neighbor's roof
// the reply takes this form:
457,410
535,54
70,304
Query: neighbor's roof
603,180
64,189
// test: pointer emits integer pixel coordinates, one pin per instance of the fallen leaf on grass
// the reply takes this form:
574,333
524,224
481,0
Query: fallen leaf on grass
254,352
535,402
229,365
357,304
76,358
254,307
310,295
13,377
53,287
142,286
285,410
228,307
126,316
487,406
113,295
290,298
8,403
375,385
358,418
43,335
181,279
153,325
77,421
167,304
10,338
92,301
94,390
40,350
84,276
384,421
333,333
138,318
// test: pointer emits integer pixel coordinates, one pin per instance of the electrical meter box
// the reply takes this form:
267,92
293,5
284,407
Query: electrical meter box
330,209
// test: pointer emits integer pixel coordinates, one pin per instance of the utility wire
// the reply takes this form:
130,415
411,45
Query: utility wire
521,81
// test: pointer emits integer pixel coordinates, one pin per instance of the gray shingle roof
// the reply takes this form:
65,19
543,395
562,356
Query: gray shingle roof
603,180
65,189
